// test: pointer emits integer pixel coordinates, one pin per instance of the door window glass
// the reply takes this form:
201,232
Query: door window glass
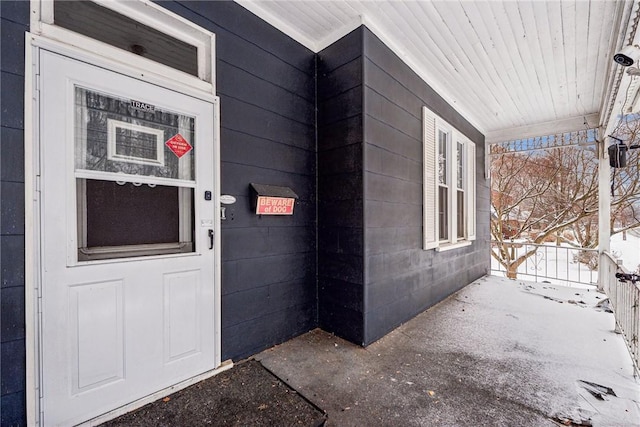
135,177
116,135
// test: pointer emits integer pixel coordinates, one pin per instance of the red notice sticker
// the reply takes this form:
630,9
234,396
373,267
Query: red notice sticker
178,145
274,205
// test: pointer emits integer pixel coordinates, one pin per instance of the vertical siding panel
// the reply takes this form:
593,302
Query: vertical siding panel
340,202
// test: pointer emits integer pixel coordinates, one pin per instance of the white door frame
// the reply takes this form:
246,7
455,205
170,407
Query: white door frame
32,210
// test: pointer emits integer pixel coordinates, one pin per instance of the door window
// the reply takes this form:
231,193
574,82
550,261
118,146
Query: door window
135,177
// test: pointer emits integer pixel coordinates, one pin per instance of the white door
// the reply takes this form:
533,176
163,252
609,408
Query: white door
127,249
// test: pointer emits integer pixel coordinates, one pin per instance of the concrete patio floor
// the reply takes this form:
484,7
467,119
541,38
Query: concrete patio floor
497,353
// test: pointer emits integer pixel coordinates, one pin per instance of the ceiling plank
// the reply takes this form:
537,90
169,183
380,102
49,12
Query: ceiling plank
512,68
457,68
501,64
480,67
266,12
515,33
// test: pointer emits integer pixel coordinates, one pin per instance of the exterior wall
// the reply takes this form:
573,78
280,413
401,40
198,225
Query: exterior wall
373,274
14,16
402,279
340,202
359,270
266,84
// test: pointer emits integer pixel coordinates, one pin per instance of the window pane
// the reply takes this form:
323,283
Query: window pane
135,143
443,207
442,157
101,23
118,215
460,165
460,215
119,135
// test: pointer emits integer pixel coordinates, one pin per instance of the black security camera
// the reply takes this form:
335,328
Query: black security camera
627,56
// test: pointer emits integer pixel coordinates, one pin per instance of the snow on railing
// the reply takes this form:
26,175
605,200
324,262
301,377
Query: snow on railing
623,291
560,265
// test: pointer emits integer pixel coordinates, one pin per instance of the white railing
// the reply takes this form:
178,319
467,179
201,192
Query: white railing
560,265
624,294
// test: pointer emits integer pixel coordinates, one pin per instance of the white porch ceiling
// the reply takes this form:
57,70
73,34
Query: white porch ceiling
512,68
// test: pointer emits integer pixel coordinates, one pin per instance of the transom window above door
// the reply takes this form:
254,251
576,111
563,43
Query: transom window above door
101,23
139,33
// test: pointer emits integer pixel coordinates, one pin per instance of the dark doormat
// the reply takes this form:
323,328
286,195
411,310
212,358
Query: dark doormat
245,395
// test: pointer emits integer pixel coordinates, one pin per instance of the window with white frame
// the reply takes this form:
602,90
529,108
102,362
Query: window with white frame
449,184
444,187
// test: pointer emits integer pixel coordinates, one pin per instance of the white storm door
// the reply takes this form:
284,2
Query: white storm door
127,249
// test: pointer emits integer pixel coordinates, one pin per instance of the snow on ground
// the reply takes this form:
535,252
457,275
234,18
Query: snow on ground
553,264
498,353
566,340
627,250
557,264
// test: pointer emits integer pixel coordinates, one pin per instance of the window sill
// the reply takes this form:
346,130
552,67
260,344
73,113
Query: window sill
450,246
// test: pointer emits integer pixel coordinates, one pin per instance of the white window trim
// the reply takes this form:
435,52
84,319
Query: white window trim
112,152
448,246
444,127
432,123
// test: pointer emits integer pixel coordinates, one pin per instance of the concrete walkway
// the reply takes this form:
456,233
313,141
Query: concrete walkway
497,353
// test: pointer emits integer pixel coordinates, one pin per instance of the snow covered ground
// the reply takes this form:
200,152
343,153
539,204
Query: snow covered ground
552,264
558,265
574,341
627,250
498,353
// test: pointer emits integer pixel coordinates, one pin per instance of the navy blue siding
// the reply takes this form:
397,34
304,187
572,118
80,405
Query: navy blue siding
266,83
340,202
373,274
402,280
14,20
350,258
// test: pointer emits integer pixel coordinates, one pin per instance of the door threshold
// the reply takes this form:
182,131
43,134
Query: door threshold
224,366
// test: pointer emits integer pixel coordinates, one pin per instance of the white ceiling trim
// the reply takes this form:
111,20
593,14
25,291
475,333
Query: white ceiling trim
337,35
279,23
290,30
406,57
505,66
317,45
572,124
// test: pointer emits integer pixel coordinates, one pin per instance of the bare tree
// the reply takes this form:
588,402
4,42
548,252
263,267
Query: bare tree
539,195
625,182
552,195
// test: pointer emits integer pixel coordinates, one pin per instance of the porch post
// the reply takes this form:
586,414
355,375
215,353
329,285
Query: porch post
604,201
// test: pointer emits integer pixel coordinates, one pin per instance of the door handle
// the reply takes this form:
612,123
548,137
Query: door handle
210,239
